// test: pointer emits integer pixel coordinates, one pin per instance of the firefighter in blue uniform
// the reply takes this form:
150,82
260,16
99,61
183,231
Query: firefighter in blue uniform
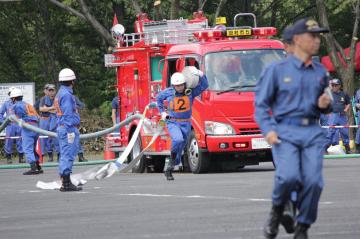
67,128
48,121
293,90
12,130
341,106
28,114
115,115
178,116
357,105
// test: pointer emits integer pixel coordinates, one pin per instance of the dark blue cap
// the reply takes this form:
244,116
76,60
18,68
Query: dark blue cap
335,81
307,25
287,35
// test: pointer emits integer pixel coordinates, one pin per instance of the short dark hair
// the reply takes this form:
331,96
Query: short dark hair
66,83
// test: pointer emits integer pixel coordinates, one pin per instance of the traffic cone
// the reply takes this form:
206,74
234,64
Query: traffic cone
38,150
108,154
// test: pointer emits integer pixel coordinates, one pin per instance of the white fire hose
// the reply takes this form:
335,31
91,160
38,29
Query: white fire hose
106,171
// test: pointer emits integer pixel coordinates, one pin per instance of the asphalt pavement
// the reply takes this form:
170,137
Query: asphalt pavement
217,205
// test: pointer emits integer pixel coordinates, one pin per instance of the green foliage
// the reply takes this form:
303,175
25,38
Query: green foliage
105,109
38,39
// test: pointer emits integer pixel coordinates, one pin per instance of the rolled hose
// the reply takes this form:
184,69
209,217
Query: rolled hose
82,136
4,124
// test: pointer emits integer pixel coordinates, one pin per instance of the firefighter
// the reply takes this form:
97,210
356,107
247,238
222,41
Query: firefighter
28,114
48,121
12,130
67,128
293,90
115,115
338,116
178,116
357,105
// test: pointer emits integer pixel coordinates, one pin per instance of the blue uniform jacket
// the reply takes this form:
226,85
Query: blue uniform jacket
288,88
46,101
180,105
66,111
26,112
6,108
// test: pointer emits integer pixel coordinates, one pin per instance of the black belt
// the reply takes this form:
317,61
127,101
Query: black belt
179,119
299,121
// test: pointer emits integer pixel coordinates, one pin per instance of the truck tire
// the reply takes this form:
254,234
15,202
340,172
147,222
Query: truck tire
140,166
197,160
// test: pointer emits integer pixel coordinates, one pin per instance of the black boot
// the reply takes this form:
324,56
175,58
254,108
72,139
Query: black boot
51,157
357,147
169,166
81,158
347,149
38,167
271,228
288,217
67,185
168,175
33,170
301,231
21,158
8,158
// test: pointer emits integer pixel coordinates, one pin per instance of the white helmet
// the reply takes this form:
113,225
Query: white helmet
177,78
11,89
66,74
16,92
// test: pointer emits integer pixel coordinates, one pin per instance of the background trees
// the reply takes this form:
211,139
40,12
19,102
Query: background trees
39,37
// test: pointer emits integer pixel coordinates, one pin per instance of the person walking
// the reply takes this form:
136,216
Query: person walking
290,96
67,128
178,114
28,114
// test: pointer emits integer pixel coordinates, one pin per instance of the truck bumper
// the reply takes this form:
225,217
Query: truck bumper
236,143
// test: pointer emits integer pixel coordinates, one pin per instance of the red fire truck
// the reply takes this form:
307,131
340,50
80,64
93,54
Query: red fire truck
224,132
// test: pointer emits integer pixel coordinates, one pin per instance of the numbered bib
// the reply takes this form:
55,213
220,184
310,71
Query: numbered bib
57,107
180,104
30,110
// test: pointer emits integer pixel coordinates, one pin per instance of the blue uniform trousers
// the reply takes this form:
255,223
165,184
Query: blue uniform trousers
80,148
333,136
299,162
68,151
48,145
357,137
13,130
29,140
179,133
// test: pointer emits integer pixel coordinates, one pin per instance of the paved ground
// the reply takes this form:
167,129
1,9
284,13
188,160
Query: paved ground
221,205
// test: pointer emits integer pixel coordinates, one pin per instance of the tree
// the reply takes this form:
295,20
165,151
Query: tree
86,15
345,71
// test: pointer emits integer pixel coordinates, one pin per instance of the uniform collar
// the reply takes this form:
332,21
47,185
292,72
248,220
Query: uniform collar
69,89
299,63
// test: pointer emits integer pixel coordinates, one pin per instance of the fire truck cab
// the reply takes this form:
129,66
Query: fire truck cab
224,132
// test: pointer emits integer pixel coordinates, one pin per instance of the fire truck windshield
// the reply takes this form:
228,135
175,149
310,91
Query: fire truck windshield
238,70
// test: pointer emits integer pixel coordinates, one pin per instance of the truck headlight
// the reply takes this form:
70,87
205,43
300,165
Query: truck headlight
217,128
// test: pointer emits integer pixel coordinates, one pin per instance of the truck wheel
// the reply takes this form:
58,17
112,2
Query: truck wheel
140,166
198,161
